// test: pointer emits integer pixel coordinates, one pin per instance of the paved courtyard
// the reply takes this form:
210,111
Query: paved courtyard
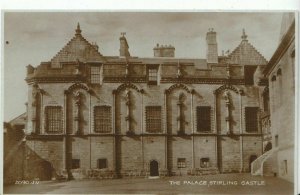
209,184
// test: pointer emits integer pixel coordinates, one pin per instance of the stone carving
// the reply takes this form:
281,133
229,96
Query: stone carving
227,104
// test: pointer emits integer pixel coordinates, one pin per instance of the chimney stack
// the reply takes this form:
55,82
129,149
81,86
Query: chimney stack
124,48
212,47
164,51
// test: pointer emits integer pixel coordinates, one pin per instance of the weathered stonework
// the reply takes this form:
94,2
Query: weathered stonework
280,73
181,85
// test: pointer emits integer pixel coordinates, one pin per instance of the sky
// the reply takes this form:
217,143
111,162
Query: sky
31,38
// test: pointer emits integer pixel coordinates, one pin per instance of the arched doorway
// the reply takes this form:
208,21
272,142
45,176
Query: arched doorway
251,159
154,168
268,147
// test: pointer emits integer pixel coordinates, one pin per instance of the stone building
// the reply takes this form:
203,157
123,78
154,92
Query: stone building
278,100
128,115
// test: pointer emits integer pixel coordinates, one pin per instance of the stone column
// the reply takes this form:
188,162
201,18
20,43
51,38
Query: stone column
166,130
241,132
65,130
41,110
114,129
90,126
216,129
193,128
142,127
65,113
68,145
33,115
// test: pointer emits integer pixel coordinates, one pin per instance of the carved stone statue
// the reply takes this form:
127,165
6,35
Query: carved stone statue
227,117
226,97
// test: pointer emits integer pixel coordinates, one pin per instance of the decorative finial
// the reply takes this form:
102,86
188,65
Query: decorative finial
78,31
244,36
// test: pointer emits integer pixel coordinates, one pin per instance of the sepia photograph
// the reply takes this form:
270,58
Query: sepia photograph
149,102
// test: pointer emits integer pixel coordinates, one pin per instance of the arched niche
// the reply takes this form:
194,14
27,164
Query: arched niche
178,103
77,109
128,108
228,109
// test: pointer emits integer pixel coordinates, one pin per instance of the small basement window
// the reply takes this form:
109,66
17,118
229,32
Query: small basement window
102,163
204,162
75,163
181,163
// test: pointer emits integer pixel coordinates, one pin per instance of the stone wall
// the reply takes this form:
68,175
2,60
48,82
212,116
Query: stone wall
282,112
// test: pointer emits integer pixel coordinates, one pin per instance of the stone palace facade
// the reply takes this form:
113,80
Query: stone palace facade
156,116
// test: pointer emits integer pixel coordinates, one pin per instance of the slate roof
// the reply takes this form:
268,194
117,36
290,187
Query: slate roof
78,48
21,119
246,54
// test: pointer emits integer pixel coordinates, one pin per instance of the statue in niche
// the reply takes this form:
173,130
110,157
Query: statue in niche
77,116
226,97
77,103
127,98
128,113
180,116
227,104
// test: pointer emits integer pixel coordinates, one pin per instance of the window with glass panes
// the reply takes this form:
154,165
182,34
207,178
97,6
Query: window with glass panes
152,75
153,119
251,116
54,116
203,118
102,119
95,74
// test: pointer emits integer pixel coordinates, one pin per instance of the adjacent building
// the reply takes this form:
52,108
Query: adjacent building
278,103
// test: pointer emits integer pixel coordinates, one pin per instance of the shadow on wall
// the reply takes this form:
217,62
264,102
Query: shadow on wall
20,162
25,164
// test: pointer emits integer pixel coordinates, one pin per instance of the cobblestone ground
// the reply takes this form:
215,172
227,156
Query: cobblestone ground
209,184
